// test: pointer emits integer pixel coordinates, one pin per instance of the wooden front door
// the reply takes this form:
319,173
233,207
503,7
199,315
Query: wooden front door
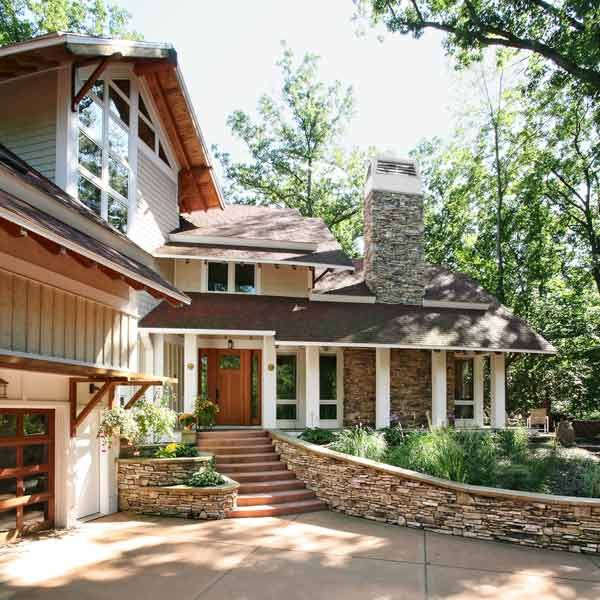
26,470
233,382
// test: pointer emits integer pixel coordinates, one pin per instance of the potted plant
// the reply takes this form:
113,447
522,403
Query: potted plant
206,412
118,422
188,434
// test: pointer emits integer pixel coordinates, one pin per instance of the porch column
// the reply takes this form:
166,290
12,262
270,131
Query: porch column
190,372
478,390
382,388
269,383
438,389
311,405
498,396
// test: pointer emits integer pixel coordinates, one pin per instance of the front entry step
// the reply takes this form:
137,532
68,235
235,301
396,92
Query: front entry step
267,487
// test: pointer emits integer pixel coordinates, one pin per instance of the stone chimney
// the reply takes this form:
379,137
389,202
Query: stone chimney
393,231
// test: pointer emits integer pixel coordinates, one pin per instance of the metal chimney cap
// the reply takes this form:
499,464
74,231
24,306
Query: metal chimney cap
393,174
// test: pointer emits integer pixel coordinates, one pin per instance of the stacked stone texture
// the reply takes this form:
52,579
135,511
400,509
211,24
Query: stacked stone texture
410,386
394,265
154,487
360,490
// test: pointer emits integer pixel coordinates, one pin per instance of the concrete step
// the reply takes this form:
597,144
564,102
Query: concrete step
246,458
249,467
259,487
233,434
217,448
272,510
279,497
282,474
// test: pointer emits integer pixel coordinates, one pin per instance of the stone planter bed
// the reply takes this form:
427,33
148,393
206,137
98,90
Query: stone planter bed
156,486
365,488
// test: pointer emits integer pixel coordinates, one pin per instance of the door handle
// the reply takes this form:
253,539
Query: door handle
217,397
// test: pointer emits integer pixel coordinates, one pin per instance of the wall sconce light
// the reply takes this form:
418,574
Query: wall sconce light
230,344
3,388
94,388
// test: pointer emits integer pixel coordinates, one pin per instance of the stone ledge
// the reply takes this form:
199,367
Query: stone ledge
479,490
150,459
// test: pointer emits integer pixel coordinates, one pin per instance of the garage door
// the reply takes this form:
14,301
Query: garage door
26,470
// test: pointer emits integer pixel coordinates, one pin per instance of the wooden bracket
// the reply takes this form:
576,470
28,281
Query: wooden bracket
137,396
87,86
77,419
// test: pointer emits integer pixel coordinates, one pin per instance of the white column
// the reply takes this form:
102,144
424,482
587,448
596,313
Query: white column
498,399
269,383
478,389
438,389
382,387
311,404
190,371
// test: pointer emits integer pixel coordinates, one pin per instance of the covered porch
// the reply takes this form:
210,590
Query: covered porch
258,380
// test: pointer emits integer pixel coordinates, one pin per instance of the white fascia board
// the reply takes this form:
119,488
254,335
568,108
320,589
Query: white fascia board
257,261
237,241
411,347
460,305
55,40
176,330
91,255
341,298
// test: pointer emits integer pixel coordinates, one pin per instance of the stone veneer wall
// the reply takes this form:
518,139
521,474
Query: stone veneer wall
394,266
153,486
410,386
364,488
359,386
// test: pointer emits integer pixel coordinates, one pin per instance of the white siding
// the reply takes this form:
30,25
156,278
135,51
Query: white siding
284,281
28,120
188,276
157,211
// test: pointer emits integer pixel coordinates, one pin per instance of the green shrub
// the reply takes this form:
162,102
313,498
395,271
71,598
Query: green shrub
360,441
394,436
512,444
176,451
206,477
316,435
590,476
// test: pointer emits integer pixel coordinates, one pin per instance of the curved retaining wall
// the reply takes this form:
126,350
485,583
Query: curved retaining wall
156,486
364,488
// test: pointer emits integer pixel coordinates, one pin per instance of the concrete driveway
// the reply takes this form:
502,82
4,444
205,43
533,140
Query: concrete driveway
318,555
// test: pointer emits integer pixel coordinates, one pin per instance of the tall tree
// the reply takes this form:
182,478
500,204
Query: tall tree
23,19
296,158
562,33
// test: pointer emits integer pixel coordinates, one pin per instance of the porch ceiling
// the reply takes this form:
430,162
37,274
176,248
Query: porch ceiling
303,321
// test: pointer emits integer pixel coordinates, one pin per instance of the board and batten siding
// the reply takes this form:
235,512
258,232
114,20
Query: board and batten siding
157,210
42,320
28,120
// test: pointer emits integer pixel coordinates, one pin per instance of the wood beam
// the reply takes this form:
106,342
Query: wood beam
87,86
73,406
95,400
137,395
158,66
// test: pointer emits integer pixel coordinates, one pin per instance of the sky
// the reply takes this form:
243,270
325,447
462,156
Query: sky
227,50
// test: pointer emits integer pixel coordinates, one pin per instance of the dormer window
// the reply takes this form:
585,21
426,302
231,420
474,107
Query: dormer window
231,278
104,170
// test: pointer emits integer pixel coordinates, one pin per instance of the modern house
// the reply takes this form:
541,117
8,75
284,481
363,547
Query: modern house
122,267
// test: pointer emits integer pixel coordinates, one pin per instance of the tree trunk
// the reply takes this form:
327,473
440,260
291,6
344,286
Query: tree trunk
499,206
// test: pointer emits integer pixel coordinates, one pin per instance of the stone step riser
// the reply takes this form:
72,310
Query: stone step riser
265,498
229,449
276,510
260,487
230,434
227,459
261,477
249,467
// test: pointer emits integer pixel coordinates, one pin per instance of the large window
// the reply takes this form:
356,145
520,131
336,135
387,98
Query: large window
231,277
106,116
464,408
328,392
104,169
287,386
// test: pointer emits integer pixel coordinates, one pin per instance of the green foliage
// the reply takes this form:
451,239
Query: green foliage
205,412
23,19
501,459
175,450
117,422
360,441
187,419
296,159
316,435
206,477
561,34
394,436
154,419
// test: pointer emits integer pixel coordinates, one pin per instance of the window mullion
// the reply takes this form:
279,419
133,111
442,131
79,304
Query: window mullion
231,277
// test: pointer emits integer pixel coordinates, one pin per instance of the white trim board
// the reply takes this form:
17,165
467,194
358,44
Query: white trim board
176,330
264,261
341,298
450,304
